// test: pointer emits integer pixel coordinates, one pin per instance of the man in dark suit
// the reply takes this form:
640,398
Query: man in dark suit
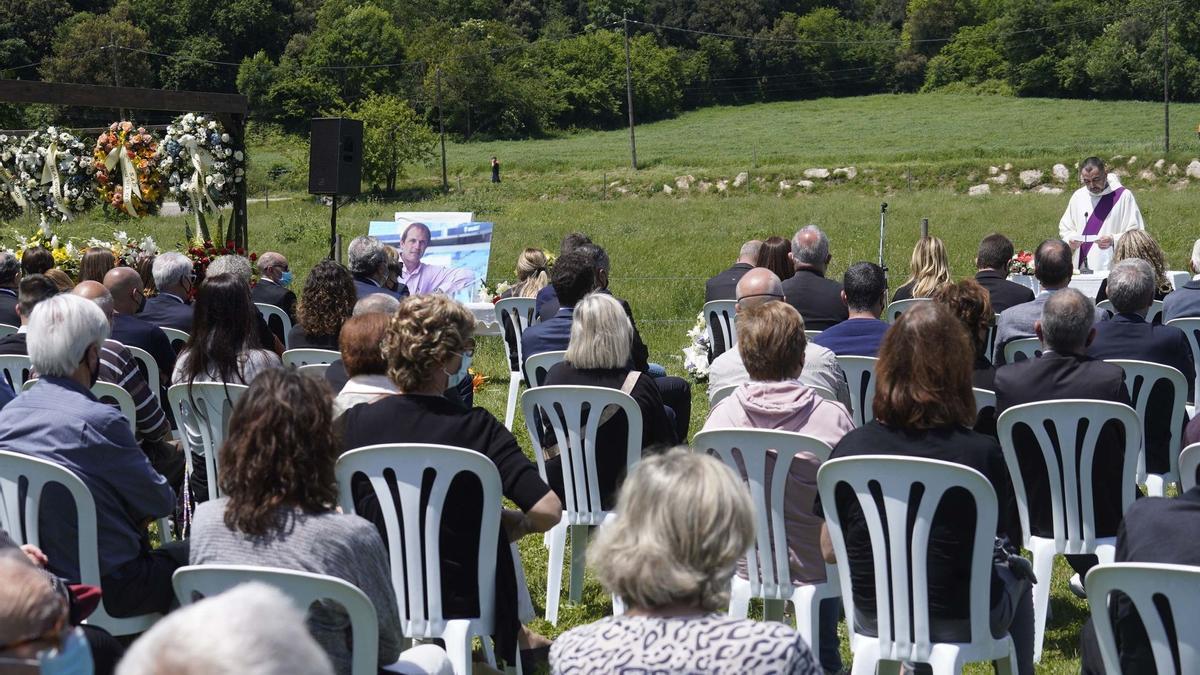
546,303
174,279
125,286
1184,301
10,273
723,286
573,277
1155,530
274,278
369,265
34,288
1065,371
819,300
1129,336
991,261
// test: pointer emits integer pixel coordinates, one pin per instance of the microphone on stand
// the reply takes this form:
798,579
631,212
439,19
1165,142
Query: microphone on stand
1083,266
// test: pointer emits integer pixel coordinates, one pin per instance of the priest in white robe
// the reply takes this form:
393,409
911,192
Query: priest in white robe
1097,215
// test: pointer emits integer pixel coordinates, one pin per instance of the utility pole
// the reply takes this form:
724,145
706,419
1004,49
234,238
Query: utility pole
442,129
629,96
1166,80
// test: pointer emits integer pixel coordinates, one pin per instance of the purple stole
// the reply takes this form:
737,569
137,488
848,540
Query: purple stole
1096,220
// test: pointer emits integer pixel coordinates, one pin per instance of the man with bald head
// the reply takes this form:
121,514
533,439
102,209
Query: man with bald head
117,366
125,285
758,286
723,286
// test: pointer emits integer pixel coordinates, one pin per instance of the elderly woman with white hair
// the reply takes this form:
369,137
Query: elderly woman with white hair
683,522
599,355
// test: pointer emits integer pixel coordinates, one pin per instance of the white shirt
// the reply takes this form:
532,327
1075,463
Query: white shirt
1125,216
363,389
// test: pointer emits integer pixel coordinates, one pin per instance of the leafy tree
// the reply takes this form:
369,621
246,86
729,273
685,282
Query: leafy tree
27,29
94,49
971,58
928,23
364,36
393,136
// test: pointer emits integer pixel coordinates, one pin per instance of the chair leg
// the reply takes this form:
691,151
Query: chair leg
510,410
579,537
1155,486
945,660
558,542
807,607
1043,565
739,598
458,646
866,660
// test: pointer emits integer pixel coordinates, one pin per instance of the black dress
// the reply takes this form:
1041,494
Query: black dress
301,339
413,418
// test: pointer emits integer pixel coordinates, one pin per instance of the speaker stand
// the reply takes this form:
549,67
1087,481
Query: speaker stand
333,230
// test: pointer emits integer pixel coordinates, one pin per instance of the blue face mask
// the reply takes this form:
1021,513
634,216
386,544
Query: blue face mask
73,658
286,279
460,375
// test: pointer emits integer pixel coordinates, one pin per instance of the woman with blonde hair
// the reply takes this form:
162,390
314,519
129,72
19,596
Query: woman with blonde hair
929,269
683,522
95,263
1139,244
533,274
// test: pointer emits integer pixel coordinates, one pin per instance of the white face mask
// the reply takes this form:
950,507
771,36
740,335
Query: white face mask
460,374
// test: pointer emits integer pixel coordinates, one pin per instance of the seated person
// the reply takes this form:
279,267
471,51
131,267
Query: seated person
1183,302
815,297
864,292
368,262
328,300
363,361
929,270
598,356
971,304
175,279
547,303
278,508
60,421
991,261
34,288
683,522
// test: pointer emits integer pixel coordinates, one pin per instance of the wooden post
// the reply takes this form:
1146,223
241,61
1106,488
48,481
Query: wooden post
442,129
1166,81
629,97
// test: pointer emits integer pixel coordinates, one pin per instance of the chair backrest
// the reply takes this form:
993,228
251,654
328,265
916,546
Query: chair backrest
206,407
1178,278
1154,590
562,408
1189,464
823,392
521,313
8,329
15,369
810,334
1027,280
860,375
413,527
178,338
272,313
303,588
901,554
989,342
316,370
538,365
720,317
763,458
304,357
983,399
895,309
1191,328
1156,308
1022,349
1069,473
721,394
149,368
111,393
1141,377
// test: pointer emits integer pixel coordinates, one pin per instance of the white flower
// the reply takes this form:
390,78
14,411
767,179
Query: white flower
212,126
54,241
71,249
238,155
226,138
121,237
208,180
228,152
51,130
65,138
190,117
239,172
219,180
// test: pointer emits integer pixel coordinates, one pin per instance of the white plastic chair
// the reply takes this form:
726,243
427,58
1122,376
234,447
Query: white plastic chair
8,329
303,588
305,357
108,393
204,409
1189,464
1191,328
721,394
521,313
316,370
561,408
414,549
1026,348
538,365
16,369
177,337
269,312
16,468
746,451
823,392
1071,500
1155,309
1140,378
983,399
1146,585
903,606
810,334
723,315
895,309
1178,278
989,342
860,375
1027,280
150,367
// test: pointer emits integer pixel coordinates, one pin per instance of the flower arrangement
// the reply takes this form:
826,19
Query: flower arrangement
128,252
491,291
478,380
1021,263
127,173
200,163
695,355
55,173
202,253
66,254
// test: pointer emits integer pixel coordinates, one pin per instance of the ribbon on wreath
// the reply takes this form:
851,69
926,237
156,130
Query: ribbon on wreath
51,177
129,178
9,185
198,191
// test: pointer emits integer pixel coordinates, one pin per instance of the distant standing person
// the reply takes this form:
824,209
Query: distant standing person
495,170
1100,212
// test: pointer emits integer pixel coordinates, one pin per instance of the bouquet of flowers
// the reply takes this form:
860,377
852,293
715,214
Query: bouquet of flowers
66,254
1021,263
128,252
200,163
12,202
127,173
491,292
695,355
203,252
55,173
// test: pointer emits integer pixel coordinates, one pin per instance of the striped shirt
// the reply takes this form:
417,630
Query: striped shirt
118,367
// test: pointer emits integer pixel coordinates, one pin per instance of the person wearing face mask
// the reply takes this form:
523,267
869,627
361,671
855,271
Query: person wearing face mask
274,287
1097,215
59,420
427,347
175,279
420,277
125,286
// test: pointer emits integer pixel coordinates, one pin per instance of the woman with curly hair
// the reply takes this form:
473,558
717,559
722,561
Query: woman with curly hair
1139,244
428,346
96,262
327,302
929,269
278,508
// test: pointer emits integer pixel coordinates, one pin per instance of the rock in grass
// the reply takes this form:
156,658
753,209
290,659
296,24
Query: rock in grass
847,172
784,185
981,189
1048,190
1061,173
804,184
684,182
816,173
667,189
741,179
723,185
1031,177
1193,169
998,180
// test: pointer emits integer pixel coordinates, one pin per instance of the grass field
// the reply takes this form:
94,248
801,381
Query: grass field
663,247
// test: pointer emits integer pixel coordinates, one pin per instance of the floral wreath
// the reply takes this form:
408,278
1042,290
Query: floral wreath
127,175
200,163
55,173
12,201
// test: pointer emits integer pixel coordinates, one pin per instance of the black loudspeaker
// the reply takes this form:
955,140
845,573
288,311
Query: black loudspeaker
335,156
